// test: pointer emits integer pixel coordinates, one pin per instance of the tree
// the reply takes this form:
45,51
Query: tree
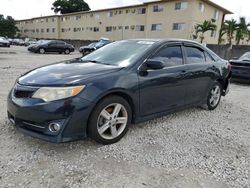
7,26
69,6
230,27
204,27
222,33
242,30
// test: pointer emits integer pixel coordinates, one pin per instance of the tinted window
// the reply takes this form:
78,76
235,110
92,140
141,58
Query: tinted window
194,55
171,56
60,43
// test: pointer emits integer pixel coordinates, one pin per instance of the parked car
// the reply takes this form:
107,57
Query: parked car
125,82
29,41
52,46
18,42
4,42
37,42
241,67
94,46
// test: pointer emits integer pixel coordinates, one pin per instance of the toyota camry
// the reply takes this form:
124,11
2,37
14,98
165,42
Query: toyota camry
101,94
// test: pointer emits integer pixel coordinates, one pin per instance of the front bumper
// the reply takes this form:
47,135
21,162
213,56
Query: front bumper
33,117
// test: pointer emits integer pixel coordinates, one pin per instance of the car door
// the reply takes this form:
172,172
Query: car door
60,46
199,73
51,46
163,89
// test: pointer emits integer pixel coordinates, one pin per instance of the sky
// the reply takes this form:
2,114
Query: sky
25,9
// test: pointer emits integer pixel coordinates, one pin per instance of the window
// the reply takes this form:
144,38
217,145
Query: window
181,5
96,29
109,29
77,17
178,26
120,12
47,20
77,29
127,11
126,27
139,27
37,30
201,7
47,30
42,30
110,14
158,8
208,57
141,10
170,56
216,14
156,27
52,19
213,33
53,30
63,30
194,55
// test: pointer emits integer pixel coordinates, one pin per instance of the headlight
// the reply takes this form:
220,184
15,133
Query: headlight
56,93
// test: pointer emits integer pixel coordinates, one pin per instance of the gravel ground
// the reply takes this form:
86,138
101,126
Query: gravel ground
192,148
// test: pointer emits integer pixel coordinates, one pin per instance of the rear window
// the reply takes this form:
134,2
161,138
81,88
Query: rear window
195,55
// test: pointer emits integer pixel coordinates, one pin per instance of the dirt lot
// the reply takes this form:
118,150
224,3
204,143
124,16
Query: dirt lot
192,148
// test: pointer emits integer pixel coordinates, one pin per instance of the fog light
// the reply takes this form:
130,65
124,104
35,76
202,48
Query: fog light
54,127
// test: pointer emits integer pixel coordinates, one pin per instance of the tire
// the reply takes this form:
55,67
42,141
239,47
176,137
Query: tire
42,51
213,97
67,51
103,126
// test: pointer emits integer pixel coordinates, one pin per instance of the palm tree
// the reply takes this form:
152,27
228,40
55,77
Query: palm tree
223,31
242,30
230,27
204,27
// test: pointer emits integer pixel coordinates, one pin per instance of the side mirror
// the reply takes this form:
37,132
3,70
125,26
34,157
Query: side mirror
154,64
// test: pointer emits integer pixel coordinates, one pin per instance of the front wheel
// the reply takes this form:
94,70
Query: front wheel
110,120
42,51
67,51
214,97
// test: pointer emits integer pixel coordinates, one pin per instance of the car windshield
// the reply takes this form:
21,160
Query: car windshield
245,57
122,53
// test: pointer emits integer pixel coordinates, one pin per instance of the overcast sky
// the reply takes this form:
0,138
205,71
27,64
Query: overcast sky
24,9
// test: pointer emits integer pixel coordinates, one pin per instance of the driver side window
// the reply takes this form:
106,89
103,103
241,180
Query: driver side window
170,56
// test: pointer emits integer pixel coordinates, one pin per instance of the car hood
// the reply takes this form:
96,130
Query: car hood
71,72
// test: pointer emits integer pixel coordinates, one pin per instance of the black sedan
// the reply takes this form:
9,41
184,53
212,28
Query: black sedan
125,82
52,46
241,67
94,46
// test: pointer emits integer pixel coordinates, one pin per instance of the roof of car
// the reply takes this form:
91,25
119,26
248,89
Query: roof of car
166,40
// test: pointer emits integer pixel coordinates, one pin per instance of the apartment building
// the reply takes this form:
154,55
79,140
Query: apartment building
156,19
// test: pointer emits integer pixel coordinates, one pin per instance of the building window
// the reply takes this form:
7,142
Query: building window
47,20
156,27
158,8
37,30
110,14
109,29
139,27
178,26
127,11
120,12
201,7
42,30
213,34
77,17
53,30
216,14
96,29
77,29
52,19
126,27
181,5
47,30
141,10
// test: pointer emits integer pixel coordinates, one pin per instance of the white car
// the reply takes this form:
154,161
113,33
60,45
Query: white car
4,42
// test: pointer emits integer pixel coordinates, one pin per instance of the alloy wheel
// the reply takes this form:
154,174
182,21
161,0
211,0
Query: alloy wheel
112,121
215,95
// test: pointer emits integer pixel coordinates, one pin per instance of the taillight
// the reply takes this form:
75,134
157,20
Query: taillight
229,66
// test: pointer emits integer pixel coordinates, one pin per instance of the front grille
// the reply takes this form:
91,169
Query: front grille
21,91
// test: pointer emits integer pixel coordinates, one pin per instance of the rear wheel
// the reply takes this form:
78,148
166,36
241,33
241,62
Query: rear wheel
214,97
110,120
67,51
42,51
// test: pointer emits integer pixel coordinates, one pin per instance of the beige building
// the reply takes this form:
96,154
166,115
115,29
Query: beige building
156,19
